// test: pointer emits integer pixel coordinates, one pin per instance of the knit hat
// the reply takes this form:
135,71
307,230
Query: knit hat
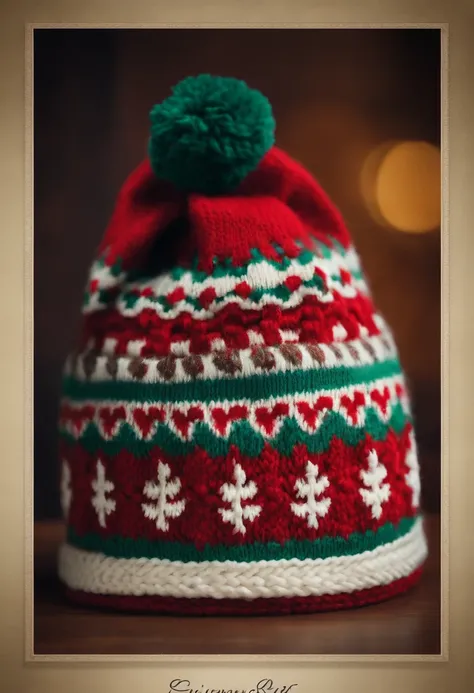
235,429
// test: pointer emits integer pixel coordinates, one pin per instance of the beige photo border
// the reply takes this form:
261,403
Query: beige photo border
29,543
435,674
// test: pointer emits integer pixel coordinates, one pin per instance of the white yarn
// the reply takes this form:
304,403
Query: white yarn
207,408
353,353
259,275
100,574
143,302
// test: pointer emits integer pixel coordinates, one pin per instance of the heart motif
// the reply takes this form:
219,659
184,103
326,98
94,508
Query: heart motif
381,398
146,420
109,418
268,418
184,420
311,414
222,419
353,404
79,418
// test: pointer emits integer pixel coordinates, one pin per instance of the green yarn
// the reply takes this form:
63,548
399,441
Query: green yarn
325,547
210,134
252,387
243,436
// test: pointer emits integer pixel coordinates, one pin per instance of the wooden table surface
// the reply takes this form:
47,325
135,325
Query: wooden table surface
409,624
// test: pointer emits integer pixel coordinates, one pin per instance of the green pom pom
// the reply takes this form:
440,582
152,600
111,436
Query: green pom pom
210,134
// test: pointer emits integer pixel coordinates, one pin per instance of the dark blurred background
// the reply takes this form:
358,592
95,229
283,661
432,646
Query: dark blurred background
360,108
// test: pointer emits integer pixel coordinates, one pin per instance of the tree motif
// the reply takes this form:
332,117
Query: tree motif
311,488
160,492
102,505
375,493
235,494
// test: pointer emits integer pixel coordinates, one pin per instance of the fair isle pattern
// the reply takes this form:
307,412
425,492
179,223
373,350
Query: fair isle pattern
289,356
100,574
264,416
103,278
217,427
166,504
186,286
235,426
271,495
260,273
132,304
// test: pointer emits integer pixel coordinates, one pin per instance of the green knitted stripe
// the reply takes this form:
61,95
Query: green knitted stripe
325,547
260,386
243,436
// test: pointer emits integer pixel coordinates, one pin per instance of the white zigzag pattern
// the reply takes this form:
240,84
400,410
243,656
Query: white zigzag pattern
259,274
142,303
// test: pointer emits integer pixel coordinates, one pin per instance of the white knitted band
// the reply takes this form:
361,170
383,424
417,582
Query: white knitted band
350,354
100,574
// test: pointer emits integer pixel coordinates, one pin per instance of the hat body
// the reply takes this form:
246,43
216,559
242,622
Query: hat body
235,428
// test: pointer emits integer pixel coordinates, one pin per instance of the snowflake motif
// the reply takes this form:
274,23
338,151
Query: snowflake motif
161,491
235,494
102,505
311,488
412,477
65,490
375,493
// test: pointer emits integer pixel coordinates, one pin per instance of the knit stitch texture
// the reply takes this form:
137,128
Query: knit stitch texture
236,433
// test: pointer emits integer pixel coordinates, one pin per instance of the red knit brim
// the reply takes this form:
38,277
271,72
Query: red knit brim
238,607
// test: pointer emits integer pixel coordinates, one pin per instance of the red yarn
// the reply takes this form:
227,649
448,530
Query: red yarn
312,319
243,290
293,283
202,477
255,607
207,296
144,208
175,296
278,203
281,176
